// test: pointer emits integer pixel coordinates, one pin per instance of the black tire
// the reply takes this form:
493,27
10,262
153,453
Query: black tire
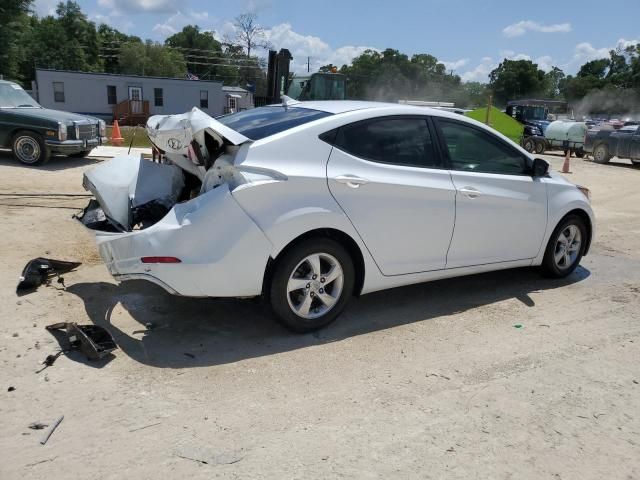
539,147
580,153
529,145
292,262
601,154
29,148
551,268
81,154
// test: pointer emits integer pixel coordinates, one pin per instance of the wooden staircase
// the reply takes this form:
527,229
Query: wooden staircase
131,112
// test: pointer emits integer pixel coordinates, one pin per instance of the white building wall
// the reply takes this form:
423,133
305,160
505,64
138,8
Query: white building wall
87,93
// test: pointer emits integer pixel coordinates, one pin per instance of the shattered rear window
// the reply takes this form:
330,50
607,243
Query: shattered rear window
262,122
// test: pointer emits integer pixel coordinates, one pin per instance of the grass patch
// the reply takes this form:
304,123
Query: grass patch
502,122
140,139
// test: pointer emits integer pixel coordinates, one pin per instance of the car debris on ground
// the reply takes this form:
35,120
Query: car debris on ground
39,271
52,429
94,341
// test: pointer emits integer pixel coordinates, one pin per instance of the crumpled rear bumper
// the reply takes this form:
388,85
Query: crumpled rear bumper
222,252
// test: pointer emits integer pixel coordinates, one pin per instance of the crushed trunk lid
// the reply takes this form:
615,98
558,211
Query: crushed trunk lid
129,185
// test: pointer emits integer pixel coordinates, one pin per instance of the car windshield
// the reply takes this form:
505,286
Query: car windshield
13,96
258,123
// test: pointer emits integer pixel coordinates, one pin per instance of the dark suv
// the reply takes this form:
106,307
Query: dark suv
33,133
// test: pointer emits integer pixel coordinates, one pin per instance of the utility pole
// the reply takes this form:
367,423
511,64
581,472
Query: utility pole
488,117
308,64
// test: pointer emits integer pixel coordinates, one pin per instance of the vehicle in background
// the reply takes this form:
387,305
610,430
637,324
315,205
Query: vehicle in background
33,133
310,203
605,143
547,125
446,106
314,86
318,86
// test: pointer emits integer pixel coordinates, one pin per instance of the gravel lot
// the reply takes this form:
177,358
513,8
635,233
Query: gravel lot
427,381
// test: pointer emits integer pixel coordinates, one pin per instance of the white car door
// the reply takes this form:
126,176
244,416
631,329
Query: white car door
387,176
501,211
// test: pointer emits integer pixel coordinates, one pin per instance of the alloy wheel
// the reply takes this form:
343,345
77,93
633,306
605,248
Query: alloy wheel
315,285
567,247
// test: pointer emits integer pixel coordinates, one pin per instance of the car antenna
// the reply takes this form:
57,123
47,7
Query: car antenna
288,101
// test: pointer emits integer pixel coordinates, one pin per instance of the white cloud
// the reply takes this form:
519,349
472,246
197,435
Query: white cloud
481,72
455,64
303,46
524,26
175,22
585,52
139,6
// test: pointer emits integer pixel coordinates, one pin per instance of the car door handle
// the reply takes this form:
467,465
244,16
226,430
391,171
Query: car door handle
470,192
351,180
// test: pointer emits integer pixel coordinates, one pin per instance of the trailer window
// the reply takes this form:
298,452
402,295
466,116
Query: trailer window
262,122
58,92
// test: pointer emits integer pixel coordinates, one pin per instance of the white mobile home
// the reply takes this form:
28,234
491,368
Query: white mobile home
130,98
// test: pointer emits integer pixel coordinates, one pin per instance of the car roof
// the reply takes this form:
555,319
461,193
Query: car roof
7,82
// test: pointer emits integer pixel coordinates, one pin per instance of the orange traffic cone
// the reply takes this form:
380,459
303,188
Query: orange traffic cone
116,136
565,165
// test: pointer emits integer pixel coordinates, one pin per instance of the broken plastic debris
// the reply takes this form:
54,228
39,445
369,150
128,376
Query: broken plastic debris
94,341
39,270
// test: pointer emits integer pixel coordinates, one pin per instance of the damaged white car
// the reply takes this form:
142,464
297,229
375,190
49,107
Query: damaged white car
311,203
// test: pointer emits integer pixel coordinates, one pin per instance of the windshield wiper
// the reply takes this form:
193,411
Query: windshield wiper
26,105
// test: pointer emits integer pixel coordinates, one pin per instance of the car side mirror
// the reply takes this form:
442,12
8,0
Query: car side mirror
540,167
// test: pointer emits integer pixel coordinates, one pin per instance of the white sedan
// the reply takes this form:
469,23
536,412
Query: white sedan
311,203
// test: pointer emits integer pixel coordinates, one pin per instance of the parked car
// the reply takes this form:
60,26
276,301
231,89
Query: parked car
311,203
33,133
605,143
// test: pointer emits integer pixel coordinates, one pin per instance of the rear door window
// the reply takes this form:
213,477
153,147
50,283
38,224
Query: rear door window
258,123
397,140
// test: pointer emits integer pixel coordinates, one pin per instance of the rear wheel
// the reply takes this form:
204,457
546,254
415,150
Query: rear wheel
580,153
540,147
29,148
529,145
565,248
311,284
601,154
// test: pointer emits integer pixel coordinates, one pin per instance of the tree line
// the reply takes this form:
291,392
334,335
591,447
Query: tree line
68,40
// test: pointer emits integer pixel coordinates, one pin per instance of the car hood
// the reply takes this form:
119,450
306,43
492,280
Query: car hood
48,114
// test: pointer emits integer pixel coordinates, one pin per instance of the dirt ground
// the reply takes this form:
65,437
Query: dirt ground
427,381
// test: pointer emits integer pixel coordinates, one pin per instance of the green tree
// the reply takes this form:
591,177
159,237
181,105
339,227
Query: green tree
151,59
554,79
514,79
110,41
14,29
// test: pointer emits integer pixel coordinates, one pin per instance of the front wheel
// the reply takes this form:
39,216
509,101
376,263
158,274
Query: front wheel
565,248
29,148
311,284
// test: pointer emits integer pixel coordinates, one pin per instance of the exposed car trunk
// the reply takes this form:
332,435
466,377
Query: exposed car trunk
132,193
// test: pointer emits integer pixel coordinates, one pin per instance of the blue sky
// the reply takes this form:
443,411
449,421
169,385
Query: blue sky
471,37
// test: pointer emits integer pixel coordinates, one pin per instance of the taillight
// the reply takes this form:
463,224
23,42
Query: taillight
160,260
